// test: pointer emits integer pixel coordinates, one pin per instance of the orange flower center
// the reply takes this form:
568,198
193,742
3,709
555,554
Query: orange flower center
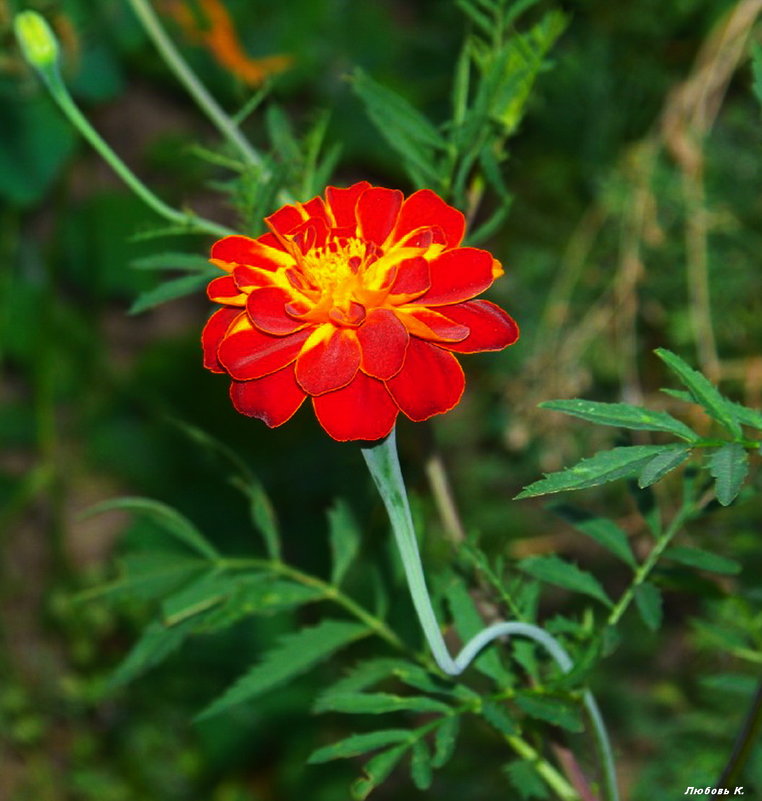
341,279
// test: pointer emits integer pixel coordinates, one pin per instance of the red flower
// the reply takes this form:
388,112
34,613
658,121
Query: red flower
357,301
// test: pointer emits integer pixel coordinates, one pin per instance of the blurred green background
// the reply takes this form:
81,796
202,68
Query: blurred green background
636,177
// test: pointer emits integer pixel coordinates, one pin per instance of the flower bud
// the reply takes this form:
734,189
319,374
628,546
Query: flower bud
37,40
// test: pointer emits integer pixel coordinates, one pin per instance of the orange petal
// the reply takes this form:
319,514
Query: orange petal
246,353
224,290
429,324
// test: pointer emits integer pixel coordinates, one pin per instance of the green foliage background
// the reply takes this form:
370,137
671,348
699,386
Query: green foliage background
611,221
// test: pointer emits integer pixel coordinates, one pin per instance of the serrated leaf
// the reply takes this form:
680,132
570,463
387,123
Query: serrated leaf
171,290
602,468
552,710
174,261
445,738
377,770
745,415
358,744
661,464
344,538
648,601
262,515
168,518
499,717
295,654
703,560
729,466
622,415
156,643
377,703
420,765
527,782
604,531
554,570
361,676
468,622
702,391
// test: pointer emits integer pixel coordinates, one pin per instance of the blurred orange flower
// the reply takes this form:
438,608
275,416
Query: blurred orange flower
213,27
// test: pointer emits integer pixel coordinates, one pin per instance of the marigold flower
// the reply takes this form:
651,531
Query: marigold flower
358,301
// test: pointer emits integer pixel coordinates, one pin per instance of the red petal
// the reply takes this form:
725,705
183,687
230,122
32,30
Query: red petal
273,398
310,234
285,220
413,278
458,275
342,203
246,353
429,324
377,212
431,382
383,340
328,361
214,330
425,208
234,250
266,308
248,278
224,290
363,410
491,328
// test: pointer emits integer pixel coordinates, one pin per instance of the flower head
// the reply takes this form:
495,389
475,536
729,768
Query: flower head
358,301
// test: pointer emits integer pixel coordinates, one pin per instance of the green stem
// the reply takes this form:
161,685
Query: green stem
643,572
65,102
383,464
552,777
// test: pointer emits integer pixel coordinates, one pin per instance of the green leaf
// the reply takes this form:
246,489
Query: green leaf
622,415
262,515
168,518
745,415
358,744
403,126
149,575
157,642
524,777
604,531
377,703
258,594
663,463
729,466
199,596
172,289
648,601
295,654
498,716
344,538
445,738
361,676
174,261
703,560
377,770
702,391
420,765
468,622
556,711
554,570
599,469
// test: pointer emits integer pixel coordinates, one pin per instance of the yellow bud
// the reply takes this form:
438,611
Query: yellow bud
37,40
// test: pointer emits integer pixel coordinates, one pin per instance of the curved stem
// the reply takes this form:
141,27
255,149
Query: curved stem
383,463
188,220
744,744
192,84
